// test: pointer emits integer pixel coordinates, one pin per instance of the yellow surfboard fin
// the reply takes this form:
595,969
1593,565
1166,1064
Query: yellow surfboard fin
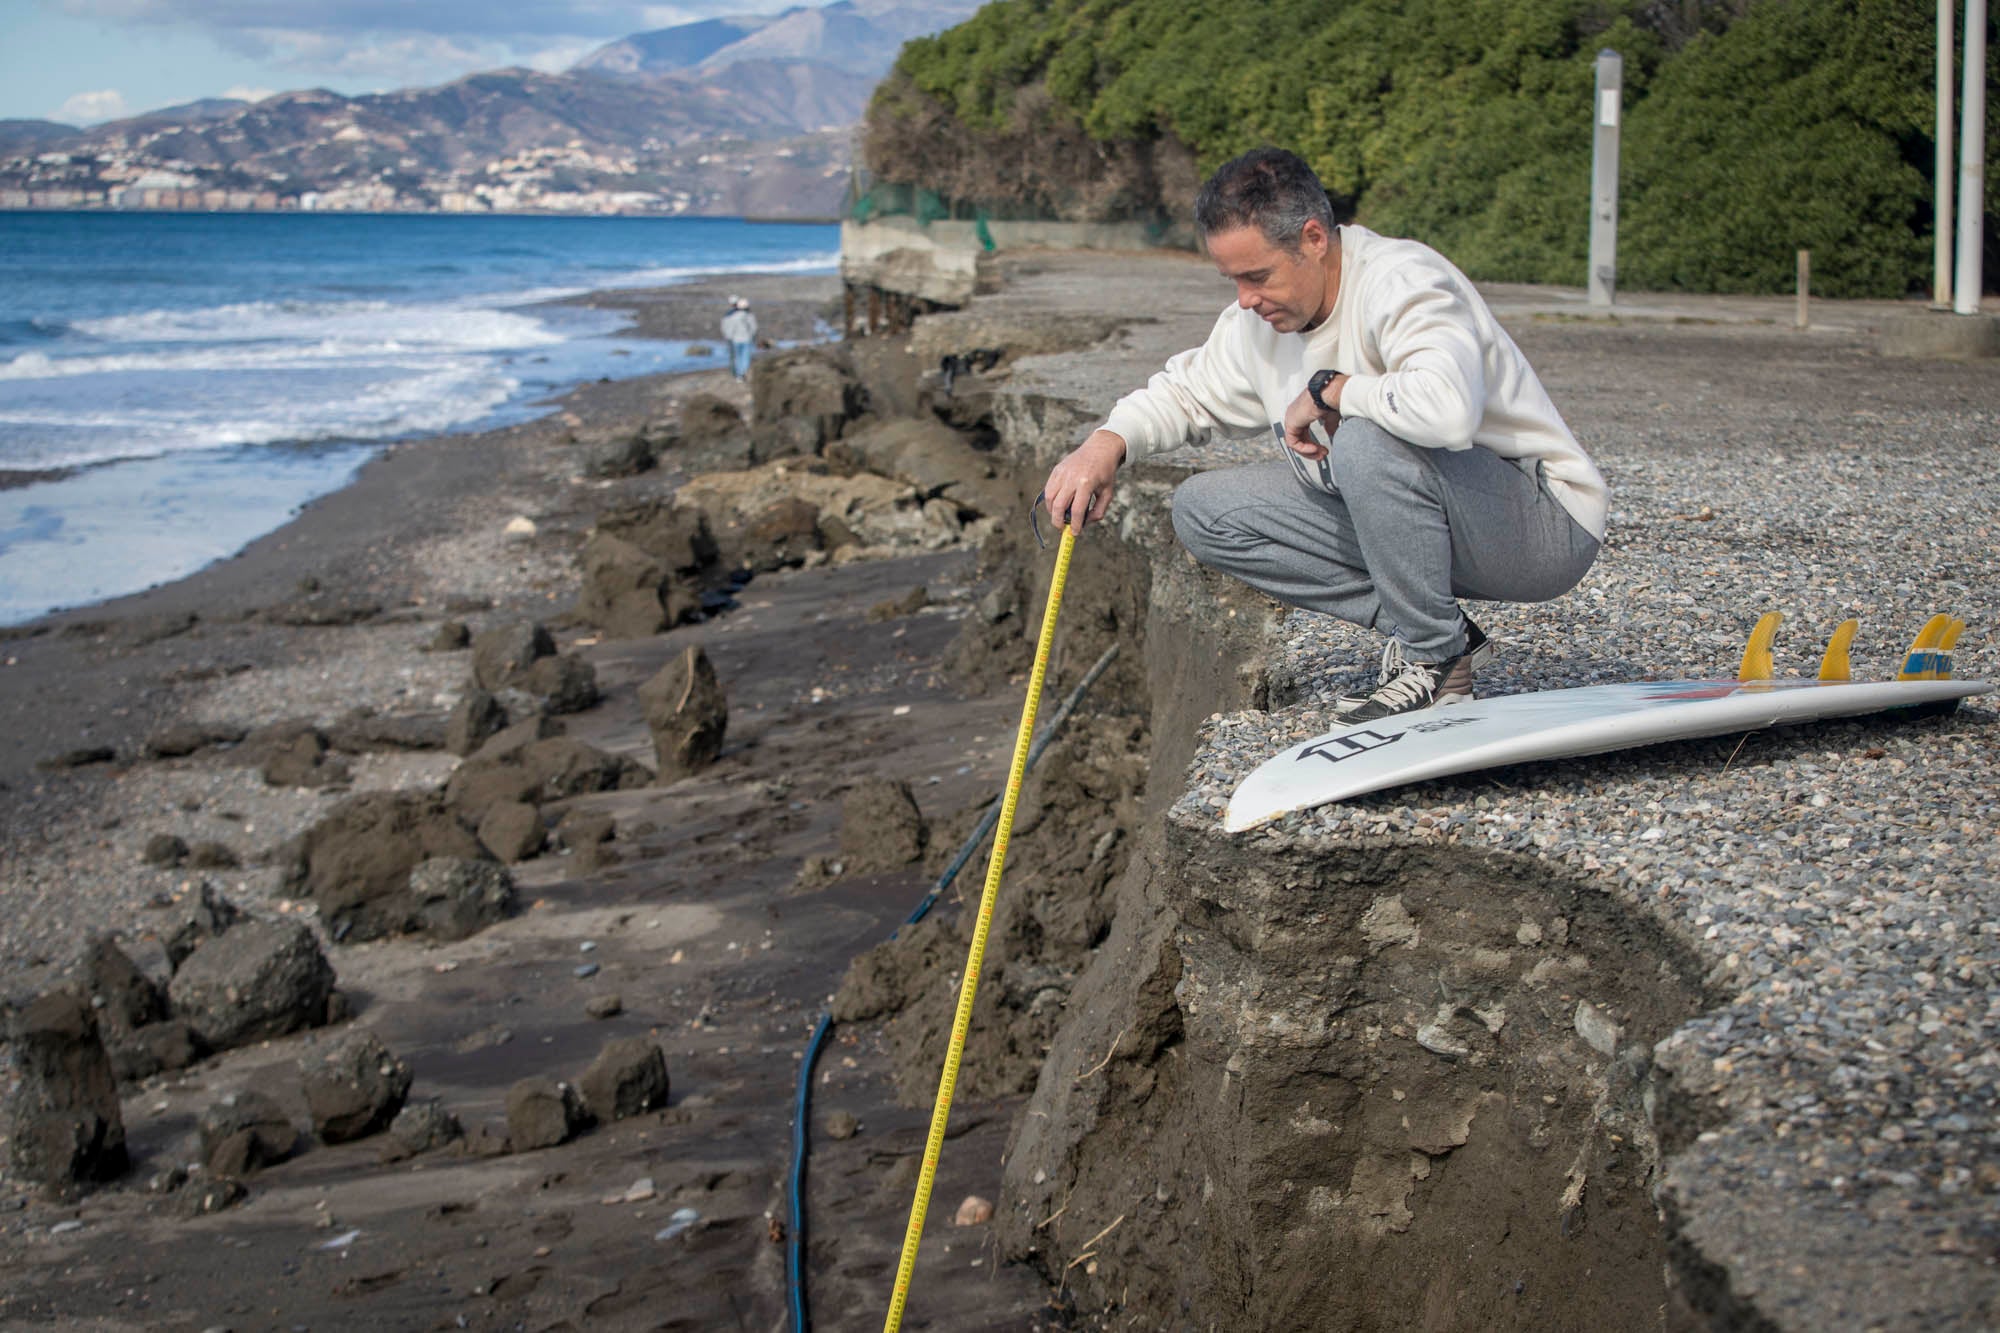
1834,665
1757,654
1945,645
1920,663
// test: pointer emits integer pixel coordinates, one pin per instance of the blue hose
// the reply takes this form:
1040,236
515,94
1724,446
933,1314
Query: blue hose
795,1234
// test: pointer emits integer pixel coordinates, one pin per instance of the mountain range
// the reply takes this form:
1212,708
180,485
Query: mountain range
745,115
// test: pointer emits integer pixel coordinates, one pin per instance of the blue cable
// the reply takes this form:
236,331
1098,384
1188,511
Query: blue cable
795,1271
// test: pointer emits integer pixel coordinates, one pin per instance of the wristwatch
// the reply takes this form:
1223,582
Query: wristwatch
1317,385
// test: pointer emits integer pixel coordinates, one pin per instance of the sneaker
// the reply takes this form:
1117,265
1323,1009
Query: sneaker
1405,686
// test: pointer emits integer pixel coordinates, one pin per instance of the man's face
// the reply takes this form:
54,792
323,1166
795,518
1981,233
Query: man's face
1288,291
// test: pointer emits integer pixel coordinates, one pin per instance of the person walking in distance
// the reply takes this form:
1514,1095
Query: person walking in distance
739,326
1421,461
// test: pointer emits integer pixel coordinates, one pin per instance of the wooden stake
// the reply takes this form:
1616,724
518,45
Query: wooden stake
1805,275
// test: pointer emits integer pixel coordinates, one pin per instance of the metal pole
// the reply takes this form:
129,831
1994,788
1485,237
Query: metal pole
1604,179
1941,184
1972,164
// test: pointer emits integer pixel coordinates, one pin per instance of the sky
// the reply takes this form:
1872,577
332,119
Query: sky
86,61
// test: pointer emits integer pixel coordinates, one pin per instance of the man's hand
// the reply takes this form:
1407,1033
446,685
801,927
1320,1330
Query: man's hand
1079,488
1303,411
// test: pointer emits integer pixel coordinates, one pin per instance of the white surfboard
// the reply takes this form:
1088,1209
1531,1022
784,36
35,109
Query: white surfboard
1561,724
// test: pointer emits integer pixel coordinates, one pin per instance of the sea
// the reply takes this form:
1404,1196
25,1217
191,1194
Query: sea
174,386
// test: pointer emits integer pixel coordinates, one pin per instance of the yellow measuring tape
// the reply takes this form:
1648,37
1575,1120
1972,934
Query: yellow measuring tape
941,1112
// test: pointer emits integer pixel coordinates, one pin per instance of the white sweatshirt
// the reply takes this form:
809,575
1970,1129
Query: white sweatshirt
739,326
1430,365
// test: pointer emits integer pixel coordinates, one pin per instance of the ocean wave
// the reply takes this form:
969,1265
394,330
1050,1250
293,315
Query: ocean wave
444,327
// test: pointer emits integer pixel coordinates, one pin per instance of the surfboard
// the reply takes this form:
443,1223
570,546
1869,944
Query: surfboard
1562,724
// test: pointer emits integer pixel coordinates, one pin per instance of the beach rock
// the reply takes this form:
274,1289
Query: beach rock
324,609
842,1125
208,915
203,1197
583,828
566,683
453,898
355,1089
295,754
356,862
475,718
364,730
678,535
512,740
936,460
628,592
452,636
973,1211
512,830
604,1006
164,849
261,979
628,1076
538,771
157,1048
244,1132
780,536
880,827
707,418
186,738
81,757
911,602
418,1128
501,656
212,855
122,996
615,454
686,713
66,1127
808,385
542,1113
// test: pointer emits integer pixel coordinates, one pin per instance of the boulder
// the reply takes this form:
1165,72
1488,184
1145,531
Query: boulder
501,656
245,1132
67,1130
123,997
628,592
880,827
512,830
164,850
474,719
615,454
931,457
628,1076
356,862
453,898
566,682
261,979
677,535
354,1089
541,770
809,386
211,855
296,754
707,418
780,535
418,1128
451,636
154,1049
207,916
686,713
542,1113
186,738
364,729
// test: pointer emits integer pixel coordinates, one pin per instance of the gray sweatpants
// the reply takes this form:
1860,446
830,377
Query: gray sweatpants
1387,535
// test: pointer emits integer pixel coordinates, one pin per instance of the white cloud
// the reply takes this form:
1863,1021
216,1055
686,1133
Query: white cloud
243,94
89,108
559,57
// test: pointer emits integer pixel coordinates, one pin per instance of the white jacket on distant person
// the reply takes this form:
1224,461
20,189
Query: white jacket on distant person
739,326
1430,365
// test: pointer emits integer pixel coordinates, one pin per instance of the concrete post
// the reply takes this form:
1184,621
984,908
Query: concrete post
1941,181
1604,178
1972,164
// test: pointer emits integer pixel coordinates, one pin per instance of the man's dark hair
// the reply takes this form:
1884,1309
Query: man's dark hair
1266,188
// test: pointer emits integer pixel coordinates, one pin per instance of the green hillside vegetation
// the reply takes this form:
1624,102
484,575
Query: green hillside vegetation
1751,129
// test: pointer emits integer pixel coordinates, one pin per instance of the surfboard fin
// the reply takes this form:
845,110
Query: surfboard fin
1757,654
1920,663
1945,645
1834,666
